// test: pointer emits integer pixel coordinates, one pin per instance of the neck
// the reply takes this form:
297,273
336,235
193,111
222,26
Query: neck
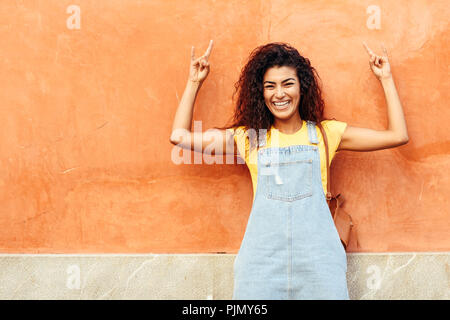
288,127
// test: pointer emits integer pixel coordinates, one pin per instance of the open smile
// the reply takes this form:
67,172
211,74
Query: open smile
282,105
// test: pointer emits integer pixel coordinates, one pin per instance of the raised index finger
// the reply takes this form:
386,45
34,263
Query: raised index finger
368,50
384,50
208,51
192,53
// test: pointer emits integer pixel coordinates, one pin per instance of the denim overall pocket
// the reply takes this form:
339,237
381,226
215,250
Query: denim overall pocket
289,180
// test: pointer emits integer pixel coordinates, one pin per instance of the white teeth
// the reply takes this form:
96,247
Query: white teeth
279,104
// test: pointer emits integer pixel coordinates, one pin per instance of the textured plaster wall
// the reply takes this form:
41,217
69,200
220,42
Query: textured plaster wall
88,98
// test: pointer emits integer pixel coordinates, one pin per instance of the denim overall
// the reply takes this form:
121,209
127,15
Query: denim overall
291,248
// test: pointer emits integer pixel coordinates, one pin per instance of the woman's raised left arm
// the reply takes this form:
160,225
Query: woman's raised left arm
364,139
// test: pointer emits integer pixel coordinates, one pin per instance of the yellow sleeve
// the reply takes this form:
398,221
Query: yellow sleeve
334,130
241,141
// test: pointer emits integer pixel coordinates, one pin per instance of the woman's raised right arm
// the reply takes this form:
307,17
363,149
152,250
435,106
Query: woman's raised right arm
219,141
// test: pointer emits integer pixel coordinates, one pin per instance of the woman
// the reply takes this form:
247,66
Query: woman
291,249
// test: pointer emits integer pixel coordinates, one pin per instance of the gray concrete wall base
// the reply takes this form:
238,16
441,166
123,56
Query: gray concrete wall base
204,276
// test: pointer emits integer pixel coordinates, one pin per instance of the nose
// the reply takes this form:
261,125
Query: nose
279,92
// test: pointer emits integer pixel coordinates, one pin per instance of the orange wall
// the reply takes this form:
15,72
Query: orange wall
87,113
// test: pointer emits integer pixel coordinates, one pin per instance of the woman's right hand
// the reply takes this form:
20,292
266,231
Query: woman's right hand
199,68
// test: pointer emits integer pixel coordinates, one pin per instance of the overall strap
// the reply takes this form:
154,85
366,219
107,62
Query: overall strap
312,133
328,196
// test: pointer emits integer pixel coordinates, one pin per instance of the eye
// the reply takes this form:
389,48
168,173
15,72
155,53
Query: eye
289,84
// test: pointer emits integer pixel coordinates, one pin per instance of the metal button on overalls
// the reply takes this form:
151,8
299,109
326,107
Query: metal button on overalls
291,248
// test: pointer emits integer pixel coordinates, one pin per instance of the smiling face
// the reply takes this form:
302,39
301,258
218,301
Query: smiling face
282,92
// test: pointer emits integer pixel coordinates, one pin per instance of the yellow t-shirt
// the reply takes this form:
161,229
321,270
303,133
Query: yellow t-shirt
333,128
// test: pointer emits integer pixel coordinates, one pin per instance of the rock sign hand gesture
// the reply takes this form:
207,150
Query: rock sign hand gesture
379,64
199,68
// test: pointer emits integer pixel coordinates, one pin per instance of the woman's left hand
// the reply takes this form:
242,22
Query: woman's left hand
379,64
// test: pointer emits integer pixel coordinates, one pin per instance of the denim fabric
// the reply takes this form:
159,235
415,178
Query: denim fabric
291,248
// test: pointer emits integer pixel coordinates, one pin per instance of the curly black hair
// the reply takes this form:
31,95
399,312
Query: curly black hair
251,111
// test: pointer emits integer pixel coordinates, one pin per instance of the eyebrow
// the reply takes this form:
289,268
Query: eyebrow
281,81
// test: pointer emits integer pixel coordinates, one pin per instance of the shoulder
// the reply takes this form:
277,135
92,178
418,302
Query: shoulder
237,129
237,132
240,138
334,130
334,127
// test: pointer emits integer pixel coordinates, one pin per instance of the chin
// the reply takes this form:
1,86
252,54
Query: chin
282,115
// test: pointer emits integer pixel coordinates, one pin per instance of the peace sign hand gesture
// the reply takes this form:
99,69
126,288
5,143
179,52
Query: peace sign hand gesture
199,68
379,64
